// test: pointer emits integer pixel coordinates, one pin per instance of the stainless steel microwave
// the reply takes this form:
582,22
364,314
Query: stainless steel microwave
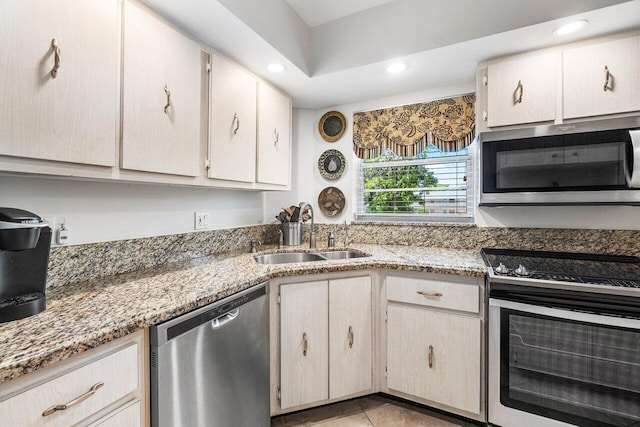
589,163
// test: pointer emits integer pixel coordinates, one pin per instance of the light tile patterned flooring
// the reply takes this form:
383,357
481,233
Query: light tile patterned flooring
375,410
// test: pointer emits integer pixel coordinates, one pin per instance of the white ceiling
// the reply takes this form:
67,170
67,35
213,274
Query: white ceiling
318,12
343,60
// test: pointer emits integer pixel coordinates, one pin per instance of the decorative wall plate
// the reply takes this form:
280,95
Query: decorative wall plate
332,126
331,201
331,164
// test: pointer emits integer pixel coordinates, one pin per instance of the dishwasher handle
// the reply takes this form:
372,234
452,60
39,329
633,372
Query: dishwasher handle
220,321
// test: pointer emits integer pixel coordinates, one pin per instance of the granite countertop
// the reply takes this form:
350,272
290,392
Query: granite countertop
84,315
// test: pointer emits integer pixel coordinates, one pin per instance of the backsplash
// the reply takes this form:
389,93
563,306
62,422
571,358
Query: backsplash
468,236
70,264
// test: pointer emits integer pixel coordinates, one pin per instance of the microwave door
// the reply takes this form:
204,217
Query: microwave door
634,172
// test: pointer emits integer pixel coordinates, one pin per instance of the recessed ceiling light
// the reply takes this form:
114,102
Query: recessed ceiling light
570,27
396,67
275,67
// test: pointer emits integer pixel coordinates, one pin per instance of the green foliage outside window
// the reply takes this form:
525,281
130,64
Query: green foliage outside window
395,178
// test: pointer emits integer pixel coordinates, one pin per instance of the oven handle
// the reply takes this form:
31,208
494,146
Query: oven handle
600,319
634,173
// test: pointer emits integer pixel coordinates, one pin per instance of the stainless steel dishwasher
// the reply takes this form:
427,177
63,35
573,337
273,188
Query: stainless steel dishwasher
210,367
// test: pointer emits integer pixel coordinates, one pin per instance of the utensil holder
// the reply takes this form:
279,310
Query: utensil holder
292,233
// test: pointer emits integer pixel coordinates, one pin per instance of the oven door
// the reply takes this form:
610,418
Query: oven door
556,367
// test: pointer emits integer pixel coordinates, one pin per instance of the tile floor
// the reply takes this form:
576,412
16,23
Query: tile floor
375,410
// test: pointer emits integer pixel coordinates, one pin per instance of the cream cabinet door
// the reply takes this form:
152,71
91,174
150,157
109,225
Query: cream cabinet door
350,336
128,415
161,96
521,90
602,79
274,137
232,147
434,356
71,117
304,343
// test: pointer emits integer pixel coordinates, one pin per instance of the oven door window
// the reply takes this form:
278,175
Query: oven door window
580,373
586,162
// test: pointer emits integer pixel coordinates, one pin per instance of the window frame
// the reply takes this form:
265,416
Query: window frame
467,218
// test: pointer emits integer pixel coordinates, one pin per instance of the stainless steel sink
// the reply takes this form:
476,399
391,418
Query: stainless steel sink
343,254
290,257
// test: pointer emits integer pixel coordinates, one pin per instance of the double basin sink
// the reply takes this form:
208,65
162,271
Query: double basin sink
290,257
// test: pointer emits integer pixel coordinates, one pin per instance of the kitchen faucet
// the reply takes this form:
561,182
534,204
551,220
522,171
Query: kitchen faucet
312,235
346,234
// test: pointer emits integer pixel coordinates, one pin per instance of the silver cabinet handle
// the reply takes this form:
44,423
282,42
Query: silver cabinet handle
607,78
520,88
168,92
304,343
275,132
430,294
430,356
57,55
350,335
75,401
236,120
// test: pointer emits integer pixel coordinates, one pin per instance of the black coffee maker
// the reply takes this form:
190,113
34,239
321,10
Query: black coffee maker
25,240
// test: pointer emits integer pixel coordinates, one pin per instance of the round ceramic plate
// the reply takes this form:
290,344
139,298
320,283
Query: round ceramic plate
332,126
331,201
331,164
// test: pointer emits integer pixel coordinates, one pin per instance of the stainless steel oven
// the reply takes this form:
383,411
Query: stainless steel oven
563,339
583,163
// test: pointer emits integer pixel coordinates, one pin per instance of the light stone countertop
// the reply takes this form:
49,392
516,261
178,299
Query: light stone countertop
84,315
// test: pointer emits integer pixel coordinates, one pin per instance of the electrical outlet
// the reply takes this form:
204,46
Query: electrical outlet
201,220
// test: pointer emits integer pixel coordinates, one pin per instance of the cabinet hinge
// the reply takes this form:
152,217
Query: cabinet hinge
278,393
485,116
207,164
208,67
278,300
485,79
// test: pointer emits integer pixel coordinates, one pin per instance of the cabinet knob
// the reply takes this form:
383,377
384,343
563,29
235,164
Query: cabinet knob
350,335
607,79
304,343
236,120
430,356
518,96
429,294
168,93
277,137
73,402
57,57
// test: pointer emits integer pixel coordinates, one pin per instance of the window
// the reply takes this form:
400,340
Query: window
432,186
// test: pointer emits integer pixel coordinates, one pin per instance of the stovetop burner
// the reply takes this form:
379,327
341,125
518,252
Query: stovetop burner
579,269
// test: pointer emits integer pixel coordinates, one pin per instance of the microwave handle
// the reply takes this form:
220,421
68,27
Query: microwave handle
634,176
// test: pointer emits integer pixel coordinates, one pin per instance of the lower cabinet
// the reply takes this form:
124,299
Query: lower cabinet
434,341
434,356
103,388
325,340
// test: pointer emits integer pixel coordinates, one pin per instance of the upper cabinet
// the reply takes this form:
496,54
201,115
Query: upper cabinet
233,122
521,90
585,80
602,78
59,85
161,96
274,136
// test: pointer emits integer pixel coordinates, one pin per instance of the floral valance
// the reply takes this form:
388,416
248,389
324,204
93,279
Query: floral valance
447,123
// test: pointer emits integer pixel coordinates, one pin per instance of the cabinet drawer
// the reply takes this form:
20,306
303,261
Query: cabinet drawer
118,371
435,293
